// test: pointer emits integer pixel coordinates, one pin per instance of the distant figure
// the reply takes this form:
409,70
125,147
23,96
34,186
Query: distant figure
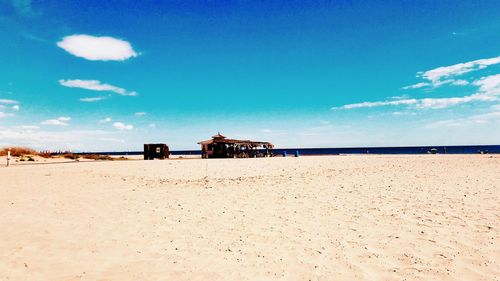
284,154
433,151
297,153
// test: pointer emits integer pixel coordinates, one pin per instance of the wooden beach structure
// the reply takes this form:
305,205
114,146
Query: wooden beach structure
156,151
221,147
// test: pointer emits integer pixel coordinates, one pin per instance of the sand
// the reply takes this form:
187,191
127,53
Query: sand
427,217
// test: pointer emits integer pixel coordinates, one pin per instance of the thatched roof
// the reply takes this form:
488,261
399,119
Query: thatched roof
222,139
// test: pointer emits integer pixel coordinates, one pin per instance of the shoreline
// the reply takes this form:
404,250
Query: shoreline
15,161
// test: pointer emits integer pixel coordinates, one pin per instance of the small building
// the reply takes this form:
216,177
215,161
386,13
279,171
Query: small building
221,147
156,151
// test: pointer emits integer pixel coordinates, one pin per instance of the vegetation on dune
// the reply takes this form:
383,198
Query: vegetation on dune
97,157
45,154
71,156
18,151
74,156
26,154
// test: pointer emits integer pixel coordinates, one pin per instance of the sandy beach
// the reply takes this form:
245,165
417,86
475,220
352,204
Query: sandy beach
426,217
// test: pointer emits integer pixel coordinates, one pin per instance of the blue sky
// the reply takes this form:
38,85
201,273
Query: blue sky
112,75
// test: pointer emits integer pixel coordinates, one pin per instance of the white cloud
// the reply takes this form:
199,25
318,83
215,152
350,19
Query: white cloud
30,127
54,122
152,125
97,48
489,91
433,103
67,139
95,85
3,114
61,121
105,120
416,86
7,101
122,127
401,97
92,99
494,116
377,103
444,72
447,74
401,113
15,107
489,85
436,103
460,82
140,113
485,118
446,123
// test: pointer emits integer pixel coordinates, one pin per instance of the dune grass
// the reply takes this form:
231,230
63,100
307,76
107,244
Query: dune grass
18,151
27,154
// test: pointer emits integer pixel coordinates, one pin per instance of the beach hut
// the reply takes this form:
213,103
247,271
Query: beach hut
156,151
221,147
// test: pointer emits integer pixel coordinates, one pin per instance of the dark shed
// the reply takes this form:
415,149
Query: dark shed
156,150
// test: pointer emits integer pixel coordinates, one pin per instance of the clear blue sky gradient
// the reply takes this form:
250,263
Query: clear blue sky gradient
270,70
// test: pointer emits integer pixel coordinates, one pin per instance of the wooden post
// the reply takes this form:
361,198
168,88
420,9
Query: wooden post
8,158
